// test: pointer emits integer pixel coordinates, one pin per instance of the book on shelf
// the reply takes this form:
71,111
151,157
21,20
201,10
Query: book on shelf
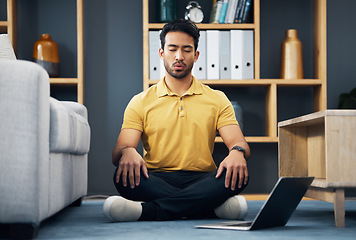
243,11
223,11
231,11
219,5
238,11
246,17
215,11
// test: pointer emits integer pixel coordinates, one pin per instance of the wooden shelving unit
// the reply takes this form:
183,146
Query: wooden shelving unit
318,83
9,26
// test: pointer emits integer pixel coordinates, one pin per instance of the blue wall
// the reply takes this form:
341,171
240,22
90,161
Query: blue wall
113,69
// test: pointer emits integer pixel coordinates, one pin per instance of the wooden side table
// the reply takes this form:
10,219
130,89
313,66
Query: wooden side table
322,145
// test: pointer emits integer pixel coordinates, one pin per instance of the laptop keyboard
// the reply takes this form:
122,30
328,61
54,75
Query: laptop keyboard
240,224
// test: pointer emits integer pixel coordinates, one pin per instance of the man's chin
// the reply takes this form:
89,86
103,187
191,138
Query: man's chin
179,74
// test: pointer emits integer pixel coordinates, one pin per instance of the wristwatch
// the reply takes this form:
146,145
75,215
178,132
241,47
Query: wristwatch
238,148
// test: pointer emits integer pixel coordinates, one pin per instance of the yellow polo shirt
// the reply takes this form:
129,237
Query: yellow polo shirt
178,132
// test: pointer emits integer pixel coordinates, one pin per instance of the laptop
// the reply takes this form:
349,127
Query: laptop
276,211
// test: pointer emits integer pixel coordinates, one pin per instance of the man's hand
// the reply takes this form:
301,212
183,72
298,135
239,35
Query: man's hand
235,165
130,165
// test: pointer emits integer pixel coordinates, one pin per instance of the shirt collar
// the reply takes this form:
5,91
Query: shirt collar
163,90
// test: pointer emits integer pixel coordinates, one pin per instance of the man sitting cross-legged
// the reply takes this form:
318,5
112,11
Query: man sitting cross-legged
177,120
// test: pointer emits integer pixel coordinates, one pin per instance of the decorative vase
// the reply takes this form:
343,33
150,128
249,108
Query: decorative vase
238,113
167,10
45,53
291,56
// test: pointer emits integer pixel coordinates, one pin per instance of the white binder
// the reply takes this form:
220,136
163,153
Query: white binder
212,54
162,70
154,59
237,52
248,65
199,69
225,72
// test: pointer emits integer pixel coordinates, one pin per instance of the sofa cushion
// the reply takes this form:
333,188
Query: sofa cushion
69,131
77,108
6,50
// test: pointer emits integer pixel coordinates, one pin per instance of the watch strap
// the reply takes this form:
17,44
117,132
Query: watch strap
238,148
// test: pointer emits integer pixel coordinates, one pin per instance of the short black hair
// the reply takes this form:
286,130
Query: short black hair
180,25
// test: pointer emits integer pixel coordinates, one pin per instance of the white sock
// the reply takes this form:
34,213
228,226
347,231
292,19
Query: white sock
234,208
119,209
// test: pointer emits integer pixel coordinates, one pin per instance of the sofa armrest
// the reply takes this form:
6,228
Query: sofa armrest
24,141
69,128
77,108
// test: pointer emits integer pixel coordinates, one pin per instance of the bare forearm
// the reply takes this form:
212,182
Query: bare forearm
232,136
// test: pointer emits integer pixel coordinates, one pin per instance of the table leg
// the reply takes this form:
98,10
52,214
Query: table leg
339,207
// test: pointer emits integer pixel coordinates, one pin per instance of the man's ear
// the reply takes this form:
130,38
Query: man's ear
161,53
196,56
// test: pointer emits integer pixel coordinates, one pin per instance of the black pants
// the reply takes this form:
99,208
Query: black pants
177,195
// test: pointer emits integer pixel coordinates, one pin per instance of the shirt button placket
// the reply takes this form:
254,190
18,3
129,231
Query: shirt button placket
181,107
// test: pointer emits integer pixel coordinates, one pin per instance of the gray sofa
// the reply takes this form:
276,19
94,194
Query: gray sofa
44,145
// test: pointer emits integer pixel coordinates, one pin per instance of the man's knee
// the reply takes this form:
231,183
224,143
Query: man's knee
119,182
137,193
237,190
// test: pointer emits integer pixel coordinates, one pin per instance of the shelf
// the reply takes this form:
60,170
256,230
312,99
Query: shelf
211,26
3,24
317,82
9,27
64,81
254,139
258,82
3,27
323,183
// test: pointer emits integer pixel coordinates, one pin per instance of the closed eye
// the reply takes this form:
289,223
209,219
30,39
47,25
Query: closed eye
188,48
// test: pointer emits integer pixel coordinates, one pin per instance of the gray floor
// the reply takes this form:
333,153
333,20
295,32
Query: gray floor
311,220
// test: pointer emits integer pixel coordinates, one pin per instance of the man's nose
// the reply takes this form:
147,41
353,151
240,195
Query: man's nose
179,55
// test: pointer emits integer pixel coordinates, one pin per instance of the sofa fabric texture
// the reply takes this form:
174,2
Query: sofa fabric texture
6,50
69,131
44,146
